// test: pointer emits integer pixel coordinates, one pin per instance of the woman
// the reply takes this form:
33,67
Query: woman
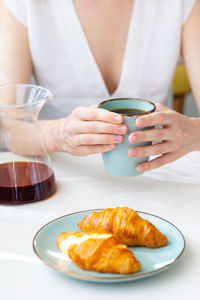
89,50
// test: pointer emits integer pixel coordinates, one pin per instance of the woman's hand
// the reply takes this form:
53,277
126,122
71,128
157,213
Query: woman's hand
88,130
179,136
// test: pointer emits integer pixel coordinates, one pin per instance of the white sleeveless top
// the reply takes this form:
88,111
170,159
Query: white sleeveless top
63,61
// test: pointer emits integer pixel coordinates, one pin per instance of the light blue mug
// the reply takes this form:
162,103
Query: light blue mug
117,162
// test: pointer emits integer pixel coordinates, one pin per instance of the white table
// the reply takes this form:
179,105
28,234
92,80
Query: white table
84,184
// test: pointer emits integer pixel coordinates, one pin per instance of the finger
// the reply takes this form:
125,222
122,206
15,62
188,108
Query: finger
93,106
101,127
156,149
94,149
150,135
157,118
97,114
97,139
158,162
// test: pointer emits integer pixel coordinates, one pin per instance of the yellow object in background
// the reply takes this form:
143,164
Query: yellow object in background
181,87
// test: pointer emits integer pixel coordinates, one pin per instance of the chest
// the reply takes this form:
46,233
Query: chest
106,25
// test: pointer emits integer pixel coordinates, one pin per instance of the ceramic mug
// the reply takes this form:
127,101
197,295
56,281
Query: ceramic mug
117,162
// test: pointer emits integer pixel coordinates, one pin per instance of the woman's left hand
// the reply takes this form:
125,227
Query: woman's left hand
179,135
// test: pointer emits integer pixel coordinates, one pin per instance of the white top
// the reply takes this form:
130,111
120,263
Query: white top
64,63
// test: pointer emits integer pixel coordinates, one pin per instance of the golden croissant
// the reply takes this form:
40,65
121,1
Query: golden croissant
98,252
126,224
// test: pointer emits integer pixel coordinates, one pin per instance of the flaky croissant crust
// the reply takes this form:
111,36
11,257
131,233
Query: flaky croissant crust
98,253
125,223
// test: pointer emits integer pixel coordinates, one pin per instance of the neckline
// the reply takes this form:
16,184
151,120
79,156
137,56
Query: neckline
90,55
85,70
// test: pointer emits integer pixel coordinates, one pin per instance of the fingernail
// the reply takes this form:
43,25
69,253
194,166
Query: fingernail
140,169
118,138
134,138
133,152
140,123
111,146
118,118
122,129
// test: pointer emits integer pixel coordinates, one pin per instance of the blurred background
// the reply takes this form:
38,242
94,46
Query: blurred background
182,97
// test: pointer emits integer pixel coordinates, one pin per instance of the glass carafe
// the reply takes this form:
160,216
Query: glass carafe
26,173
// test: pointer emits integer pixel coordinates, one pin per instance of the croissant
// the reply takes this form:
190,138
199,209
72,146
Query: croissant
98,252
126,224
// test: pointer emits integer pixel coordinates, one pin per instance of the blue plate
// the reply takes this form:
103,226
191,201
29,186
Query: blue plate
152,260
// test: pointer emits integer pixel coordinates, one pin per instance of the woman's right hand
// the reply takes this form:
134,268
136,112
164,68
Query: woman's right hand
86,131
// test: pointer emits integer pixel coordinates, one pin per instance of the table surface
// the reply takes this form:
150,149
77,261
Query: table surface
84,184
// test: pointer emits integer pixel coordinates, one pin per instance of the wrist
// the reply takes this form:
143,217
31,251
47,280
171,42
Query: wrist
50,129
